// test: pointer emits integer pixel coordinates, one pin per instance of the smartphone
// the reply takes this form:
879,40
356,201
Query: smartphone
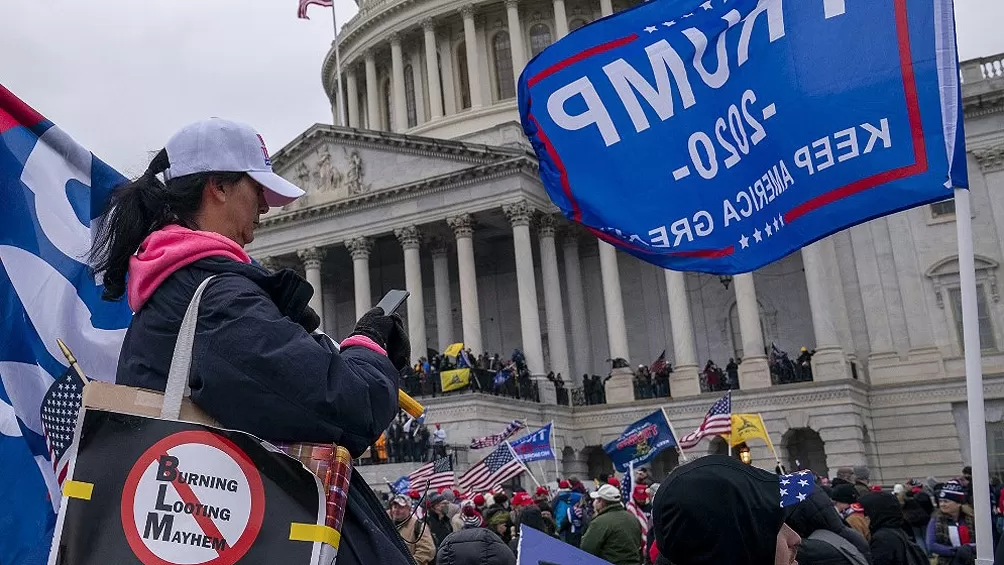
393,300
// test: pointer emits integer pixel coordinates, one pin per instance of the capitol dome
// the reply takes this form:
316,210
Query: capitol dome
406,65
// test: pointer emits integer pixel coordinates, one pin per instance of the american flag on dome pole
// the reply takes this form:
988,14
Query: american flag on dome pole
717,421
301,13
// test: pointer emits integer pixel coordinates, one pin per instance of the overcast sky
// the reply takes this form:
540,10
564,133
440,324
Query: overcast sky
122,75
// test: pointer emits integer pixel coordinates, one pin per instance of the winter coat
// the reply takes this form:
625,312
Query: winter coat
440,527
614,535
474,546
939,541
562,503
531,518
418,540
255,368
857,520
817,513
889,543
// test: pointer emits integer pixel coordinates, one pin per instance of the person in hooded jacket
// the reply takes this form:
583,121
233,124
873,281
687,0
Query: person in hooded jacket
826,540
715,510
889,543
257,366
475,546
562,505
528,515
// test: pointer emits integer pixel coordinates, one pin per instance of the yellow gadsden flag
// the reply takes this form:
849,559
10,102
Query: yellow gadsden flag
746,427
455,379
453,350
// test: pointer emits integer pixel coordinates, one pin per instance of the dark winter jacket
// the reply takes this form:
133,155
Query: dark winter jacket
476,546
889,543
818,513
441,527
715,510
530,517
256,369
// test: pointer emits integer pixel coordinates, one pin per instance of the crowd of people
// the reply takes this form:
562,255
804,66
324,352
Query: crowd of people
407,441
843,521
490,374
649,384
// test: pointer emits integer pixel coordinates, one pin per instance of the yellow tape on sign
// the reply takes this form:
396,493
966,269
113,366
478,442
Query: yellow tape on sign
77,489
313,532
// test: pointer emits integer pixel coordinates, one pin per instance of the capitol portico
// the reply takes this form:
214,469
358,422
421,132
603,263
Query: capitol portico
436,190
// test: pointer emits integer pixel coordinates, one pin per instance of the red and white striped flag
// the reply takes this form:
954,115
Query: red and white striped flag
437,474
496,468
717,421
301,12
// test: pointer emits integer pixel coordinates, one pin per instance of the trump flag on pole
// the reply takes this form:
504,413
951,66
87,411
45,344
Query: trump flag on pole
733,133
535,446
51,189
641,441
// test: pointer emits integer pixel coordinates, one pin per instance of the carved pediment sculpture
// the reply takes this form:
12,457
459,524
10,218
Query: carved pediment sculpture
327,176
354,174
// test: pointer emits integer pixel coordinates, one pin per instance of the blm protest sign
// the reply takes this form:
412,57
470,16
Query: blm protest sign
157,492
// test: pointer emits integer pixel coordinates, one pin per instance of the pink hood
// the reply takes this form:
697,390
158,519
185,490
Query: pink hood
165,251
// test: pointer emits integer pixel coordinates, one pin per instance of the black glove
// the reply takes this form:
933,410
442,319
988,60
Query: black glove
309,319
389,333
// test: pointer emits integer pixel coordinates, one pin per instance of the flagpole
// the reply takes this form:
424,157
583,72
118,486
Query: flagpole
338,68
669,423
522,464
974,375
770,444
550,441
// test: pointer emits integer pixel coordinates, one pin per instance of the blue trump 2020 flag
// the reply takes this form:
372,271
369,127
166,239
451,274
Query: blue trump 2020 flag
640,442
719,136
51,189
535,446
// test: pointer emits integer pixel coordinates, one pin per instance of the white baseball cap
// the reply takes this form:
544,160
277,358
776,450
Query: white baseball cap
218,145
609,493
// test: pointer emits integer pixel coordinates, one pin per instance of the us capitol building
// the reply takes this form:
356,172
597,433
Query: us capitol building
433,187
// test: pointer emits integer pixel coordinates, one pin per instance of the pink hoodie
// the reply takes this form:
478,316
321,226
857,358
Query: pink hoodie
165,251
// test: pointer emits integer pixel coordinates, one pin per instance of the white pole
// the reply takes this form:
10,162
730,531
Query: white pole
338,68
550,439
974,378
679,450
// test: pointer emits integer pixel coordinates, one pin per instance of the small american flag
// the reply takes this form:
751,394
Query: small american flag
60,407
437,474
495,439
658,364
301,12
627,489
795,487
717,421
497,467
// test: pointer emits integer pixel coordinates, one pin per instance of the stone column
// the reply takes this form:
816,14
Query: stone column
620,387
821,277
411,239
372,92
576,305
519,214
753,372
557,340
463,229
399,107
684,380
416,78
312,257
352,88
432,69
606,7
360,248
613,303
515,37
444,299
560,19
471,44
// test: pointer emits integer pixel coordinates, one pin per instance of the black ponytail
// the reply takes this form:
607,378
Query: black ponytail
139,208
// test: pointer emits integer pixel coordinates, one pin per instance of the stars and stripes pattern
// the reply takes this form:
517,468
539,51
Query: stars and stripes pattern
495,439
59,410
717,421
795,487
627,489
497,467
658,364
301,12
432,476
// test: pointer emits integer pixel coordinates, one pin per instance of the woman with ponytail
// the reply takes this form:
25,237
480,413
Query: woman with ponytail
257,363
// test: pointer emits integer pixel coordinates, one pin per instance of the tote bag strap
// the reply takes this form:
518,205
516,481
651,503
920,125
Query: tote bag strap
181,362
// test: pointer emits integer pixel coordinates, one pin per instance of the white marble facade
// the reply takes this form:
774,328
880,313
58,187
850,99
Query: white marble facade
469,230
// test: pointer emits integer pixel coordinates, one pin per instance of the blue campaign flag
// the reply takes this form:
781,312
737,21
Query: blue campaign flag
538,548
719,136
640,442
51,189
401,485
535,446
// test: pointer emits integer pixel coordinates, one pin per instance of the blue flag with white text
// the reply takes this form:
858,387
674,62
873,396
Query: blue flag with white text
641,441
51,189
535,446
721,135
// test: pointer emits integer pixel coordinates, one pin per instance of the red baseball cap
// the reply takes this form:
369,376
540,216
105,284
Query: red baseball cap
640,492
614,481
479,500
541,490
522,499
